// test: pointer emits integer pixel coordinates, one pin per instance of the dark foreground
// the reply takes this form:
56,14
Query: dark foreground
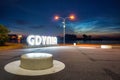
82,63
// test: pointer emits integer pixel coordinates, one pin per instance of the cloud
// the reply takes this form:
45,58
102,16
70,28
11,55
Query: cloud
37,26
21,22
97,25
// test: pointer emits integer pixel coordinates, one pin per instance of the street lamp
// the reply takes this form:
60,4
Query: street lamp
71,17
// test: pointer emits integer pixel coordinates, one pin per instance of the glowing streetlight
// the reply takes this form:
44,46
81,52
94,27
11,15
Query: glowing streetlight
71,17
56,17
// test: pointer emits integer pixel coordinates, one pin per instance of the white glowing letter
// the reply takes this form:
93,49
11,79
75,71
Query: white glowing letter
31,40
55,40
44,40
38,40
48,40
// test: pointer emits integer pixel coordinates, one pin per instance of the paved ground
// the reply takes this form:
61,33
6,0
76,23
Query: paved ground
81,63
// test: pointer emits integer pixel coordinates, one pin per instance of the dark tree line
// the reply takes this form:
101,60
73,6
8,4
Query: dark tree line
3,34
86,37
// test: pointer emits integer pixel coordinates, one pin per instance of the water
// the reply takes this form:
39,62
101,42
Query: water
99,42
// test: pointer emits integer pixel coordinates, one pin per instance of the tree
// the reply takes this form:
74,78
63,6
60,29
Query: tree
85,36
3,34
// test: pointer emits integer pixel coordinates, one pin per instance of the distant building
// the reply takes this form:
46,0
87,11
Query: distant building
15,38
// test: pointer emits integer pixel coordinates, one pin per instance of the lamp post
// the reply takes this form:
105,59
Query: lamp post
64,24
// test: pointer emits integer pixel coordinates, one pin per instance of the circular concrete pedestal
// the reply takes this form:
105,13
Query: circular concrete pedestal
14,68
36,61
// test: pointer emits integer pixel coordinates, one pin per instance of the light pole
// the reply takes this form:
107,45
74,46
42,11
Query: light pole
64,24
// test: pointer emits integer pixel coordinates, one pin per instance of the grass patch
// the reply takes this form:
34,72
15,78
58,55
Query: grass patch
8,46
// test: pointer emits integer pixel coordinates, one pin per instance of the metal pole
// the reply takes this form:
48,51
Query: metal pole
64,26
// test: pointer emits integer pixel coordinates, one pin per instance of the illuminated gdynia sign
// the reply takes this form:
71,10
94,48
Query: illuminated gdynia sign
36,40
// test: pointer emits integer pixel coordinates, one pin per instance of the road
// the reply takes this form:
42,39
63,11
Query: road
81,63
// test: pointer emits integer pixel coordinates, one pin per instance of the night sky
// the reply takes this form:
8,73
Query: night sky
93,17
